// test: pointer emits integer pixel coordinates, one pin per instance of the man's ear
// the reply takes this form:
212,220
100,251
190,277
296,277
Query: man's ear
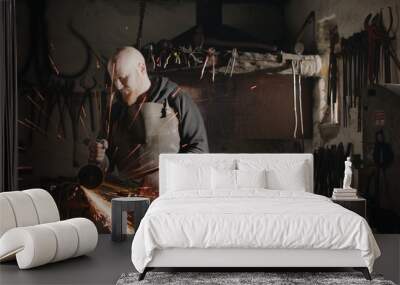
142,67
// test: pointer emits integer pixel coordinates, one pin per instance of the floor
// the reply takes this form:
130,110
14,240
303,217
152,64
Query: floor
103,266
389,262
110,260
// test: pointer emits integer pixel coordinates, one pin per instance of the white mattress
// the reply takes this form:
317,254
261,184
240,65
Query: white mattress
252,218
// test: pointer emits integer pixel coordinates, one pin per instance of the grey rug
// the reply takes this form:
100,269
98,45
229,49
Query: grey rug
233,278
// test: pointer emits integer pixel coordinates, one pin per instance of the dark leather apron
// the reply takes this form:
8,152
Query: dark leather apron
142,132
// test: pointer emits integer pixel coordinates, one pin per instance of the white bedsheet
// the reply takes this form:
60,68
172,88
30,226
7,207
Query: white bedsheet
250,218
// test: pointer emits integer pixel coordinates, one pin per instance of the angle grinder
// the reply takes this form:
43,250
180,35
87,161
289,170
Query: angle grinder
91,175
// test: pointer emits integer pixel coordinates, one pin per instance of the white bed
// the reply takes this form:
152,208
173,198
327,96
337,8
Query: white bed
280,224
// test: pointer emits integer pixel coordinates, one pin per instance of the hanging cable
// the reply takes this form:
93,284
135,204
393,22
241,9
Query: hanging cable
300,99
294,99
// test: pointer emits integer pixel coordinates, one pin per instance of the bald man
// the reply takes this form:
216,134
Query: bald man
149,117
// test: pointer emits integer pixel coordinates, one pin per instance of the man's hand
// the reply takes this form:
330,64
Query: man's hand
97,151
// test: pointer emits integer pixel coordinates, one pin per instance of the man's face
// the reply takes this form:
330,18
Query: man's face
129,76
127,82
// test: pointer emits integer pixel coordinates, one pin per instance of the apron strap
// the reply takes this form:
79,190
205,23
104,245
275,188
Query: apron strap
165,103
164,109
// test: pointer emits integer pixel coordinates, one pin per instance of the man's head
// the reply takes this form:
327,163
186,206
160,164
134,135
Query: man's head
127,68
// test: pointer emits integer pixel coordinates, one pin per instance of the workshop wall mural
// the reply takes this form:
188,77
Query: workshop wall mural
367,127
210,102
226,87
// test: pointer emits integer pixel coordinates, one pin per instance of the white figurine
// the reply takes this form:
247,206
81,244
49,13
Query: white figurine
347,174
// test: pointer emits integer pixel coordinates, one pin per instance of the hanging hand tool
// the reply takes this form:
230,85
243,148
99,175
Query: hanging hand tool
177,57
367,58
232,62
164,49
386,45
88,96
344,53
167,61
297,96
212,58
360,55
153,61
351,72
148,51
332,75
158,62
372,27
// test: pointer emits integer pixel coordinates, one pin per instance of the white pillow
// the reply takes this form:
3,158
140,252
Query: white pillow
181,177
223,179
292,179
251,178
282,174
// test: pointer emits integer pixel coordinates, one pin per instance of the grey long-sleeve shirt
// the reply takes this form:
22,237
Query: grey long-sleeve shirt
192,131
